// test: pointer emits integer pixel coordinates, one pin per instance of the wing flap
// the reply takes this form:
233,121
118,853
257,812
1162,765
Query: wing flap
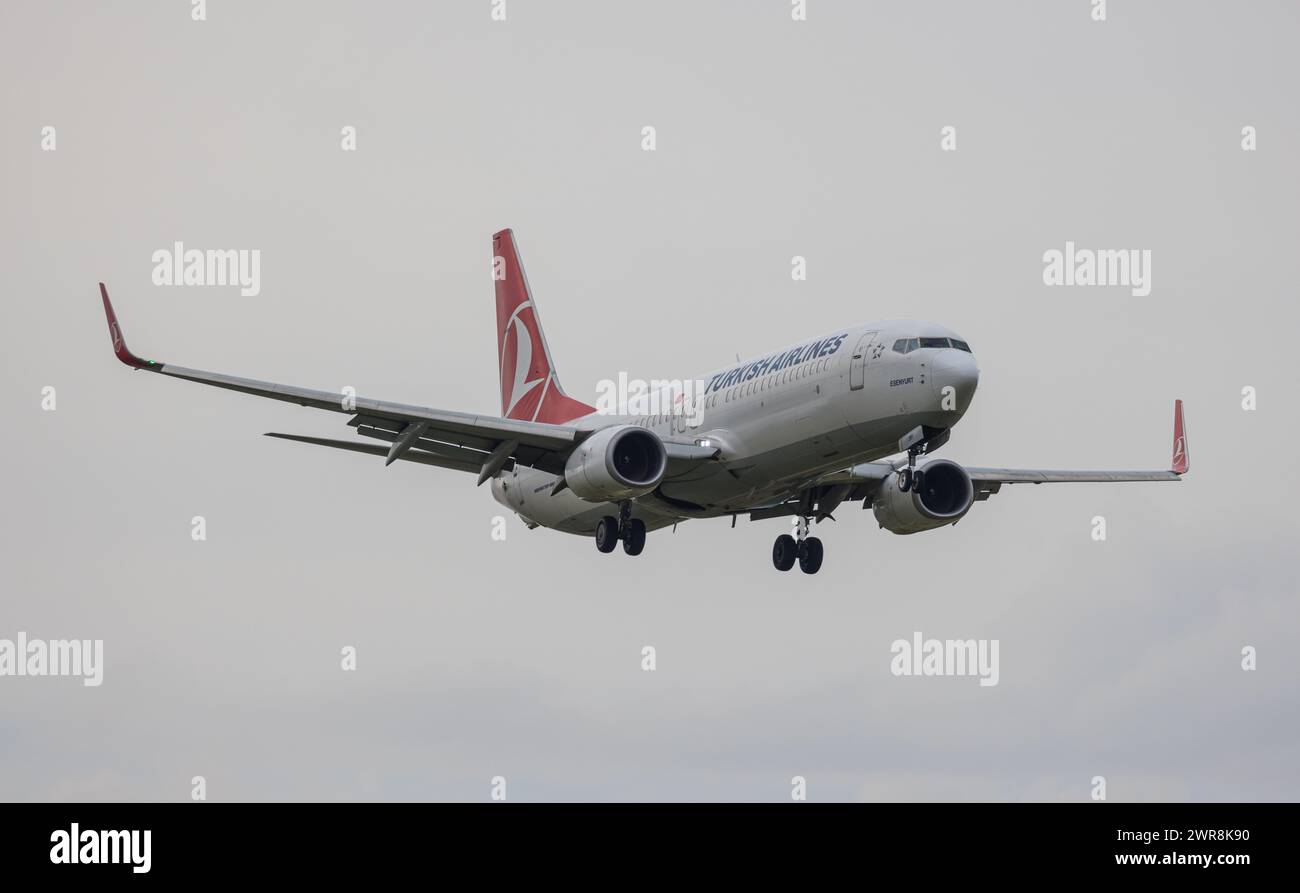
374,449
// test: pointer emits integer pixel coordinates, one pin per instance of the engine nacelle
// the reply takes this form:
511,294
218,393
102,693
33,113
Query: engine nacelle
947,495
620,462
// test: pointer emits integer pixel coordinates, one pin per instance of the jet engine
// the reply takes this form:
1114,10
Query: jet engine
619,462
944,497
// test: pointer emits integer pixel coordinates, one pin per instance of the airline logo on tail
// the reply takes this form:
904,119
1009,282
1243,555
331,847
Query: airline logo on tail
530,389
517,344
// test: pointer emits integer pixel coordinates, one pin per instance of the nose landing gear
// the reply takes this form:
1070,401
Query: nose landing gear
910,478
807,550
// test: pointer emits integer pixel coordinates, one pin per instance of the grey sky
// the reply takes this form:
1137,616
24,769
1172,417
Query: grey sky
479,658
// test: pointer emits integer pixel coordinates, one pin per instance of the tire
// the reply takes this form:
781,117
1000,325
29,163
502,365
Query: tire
811,560
634,537
783,552
905,480
918,481
607,534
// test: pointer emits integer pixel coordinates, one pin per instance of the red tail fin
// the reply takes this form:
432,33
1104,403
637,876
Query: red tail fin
1180,461
530,389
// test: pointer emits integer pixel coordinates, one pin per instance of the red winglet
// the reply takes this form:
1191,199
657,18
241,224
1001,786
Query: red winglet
1180,462
115,332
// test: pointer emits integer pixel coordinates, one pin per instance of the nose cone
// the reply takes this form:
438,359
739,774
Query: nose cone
954,369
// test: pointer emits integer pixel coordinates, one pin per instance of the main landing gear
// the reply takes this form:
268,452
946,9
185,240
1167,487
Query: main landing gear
807,550
610,530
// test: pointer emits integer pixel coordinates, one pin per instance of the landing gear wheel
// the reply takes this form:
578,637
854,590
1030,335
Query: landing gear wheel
810,562
607,534
784,552
918,481
634,537
905,480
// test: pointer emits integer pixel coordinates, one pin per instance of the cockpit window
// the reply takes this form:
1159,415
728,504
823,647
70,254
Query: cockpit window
907,345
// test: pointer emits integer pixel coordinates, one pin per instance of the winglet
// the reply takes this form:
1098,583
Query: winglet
1180,461
119,342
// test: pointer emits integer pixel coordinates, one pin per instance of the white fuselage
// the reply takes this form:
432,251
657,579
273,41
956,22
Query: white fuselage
822,404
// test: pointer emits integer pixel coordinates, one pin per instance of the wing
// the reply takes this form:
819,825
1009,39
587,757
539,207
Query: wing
458,440
990,480
865,478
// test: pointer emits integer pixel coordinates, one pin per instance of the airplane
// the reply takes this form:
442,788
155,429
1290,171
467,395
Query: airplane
793,433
